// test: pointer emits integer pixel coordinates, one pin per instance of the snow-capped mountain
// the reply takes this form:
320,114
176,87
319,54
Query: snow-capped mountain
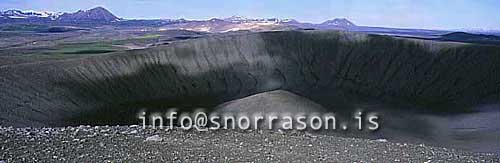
236,19
240,19
97,14
235,23
18,14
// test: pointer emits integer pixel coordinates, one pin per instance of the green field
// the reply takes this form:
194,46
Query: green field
71,50
83,48
24,27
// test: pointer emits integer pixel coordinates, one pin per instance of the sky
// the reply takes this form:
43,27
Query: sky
426,14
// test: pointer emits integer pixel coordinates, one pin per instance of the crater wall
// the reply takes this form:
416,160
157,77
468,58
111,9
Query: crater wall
328,67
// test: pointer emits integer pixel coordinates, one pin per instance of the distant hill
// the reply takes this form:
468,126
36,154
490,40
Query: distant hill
471,38
343,22
97,14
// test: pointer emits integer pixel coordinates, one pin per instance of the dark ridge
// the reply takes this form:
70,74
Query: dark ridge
38,28
90,52
471,38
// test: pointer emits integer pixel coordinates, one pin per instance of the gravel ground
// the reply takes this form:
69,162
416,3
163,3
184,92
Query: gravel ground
134,144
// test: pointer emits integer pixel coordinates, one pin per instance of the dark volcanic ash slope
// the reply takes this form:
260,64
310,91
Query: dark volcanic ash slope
326,67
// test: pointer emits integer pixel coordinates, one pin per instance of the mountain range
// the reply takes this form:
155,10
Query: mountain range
101,16
98,14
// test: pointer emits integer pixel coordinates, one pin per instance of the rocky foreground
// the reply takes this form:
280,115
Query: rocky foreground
134,144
